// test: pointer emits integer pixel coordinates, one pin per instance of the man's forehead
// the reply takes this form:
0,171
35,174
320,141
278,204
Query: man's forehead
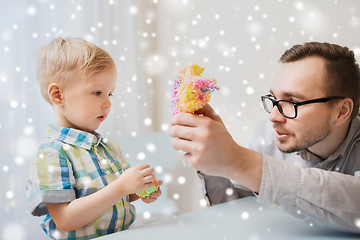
303,78
289,94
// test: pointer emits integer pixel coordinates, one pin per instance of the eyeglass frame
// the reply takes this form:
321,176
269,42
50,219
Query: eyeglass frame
295,104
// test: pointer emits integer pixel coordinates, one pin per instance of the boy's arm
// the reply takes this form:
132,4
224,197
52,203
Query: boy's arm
81,211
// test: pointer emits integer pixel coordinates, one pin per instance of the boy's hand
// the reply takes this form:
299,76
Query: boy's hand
137,178
154,195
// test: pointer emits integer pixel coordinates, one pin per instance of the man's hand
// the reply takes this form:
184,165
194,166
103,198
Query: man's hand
204,138
210,148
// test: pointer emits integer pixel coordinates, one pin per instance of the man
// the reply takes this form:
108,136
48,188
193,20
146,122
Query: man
308,161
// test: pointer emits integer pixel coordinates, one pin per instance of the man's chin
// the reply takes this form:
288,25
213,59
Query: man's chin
287,149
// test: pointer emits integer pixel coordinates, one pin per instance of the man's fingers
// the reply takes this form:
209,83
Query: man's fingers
182,145
185,119
187,158
197,119
182,132
208,111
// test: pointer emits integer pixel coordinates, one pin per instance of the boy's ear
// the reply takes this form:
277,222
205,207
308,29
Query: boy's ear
54,93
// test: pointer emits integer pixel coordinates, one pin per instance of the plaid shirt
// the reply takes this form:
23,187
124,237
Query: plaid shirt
72,164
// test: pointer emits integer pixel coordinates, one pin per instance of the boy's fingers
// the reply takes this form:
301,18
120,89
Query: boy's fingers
159,182
156,194
149,178
148,185
147,171
143,166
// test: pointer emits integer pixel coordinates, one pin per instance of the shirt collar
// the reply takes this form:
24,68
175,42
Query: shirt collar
73,136
341,150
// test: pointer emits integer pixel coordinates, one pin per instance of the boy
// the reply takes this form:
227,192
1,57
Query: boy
80,183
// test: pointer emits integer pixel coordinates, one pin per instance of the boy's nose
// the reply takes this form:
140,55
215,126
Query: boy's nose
107,103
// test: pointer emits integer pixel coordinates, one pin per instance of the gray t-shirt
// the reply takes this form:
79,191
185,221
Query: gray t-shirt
324,192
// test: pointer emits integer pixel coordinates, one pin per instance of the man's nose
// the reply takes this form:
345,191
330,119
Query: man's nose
276,116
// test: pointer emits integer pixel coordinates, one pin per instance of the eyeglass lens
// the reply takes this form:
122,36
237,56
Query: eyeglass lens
285,108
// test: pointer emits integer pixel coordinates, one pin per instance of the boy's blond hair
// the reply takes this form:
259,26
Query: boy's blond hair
62,59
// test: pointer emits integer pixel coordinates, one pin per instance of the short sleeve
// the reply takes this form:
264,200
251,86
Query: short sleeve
50,180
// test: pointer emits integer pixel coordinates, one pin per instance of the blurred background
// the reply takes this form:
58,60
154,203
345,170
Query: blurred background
238,42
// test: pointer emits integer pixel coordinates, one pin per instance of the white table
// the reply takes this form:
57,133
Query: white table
239,219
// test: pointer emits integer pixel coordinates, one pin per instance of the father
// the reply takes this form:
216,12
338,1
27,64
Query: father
307,158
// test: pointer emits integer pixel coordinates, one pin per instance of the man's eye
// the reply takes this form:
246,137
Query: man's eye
98,93
293,100
271,96
110,95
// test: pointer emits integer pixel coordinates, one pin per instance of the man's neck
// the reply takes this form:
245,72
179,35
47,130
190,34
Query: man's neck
325,148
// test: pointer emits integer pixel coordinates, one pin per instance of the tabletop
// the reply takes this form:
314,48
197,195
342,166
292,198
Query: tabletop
239,219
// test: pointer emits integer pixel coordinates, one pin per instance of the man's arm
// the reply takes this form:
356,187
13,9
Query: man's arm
317,196
217,190
210,148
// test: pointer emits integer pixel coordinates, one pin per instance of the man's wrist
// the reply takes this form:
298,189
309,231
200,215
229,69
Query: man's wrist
246,169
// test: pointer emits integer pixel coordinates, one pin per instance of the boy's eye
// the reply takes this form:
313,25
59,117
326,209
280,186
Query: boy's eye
98,93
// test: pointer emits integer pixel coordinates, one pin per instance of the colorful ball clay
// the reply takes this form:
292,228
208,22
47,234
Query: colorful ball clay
191,91
148,192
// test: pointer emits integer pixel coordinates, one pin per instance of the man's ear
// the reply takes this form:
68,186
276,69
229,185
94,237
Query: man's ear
345,109
55,94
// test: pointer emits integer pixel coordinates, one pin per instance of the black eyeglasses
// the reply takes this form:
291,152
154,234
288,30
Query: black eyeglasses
289,109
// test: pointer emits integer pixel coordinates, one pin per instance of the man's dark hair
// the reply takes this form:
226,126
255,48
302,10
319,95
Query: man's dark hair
342,73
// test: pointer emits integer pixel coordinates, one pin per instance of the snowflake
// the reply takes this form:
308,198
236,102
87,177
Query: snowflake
245,215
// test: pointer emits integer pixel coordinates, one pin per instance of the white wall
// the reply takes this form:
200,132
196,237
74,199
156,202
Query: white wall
239,44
